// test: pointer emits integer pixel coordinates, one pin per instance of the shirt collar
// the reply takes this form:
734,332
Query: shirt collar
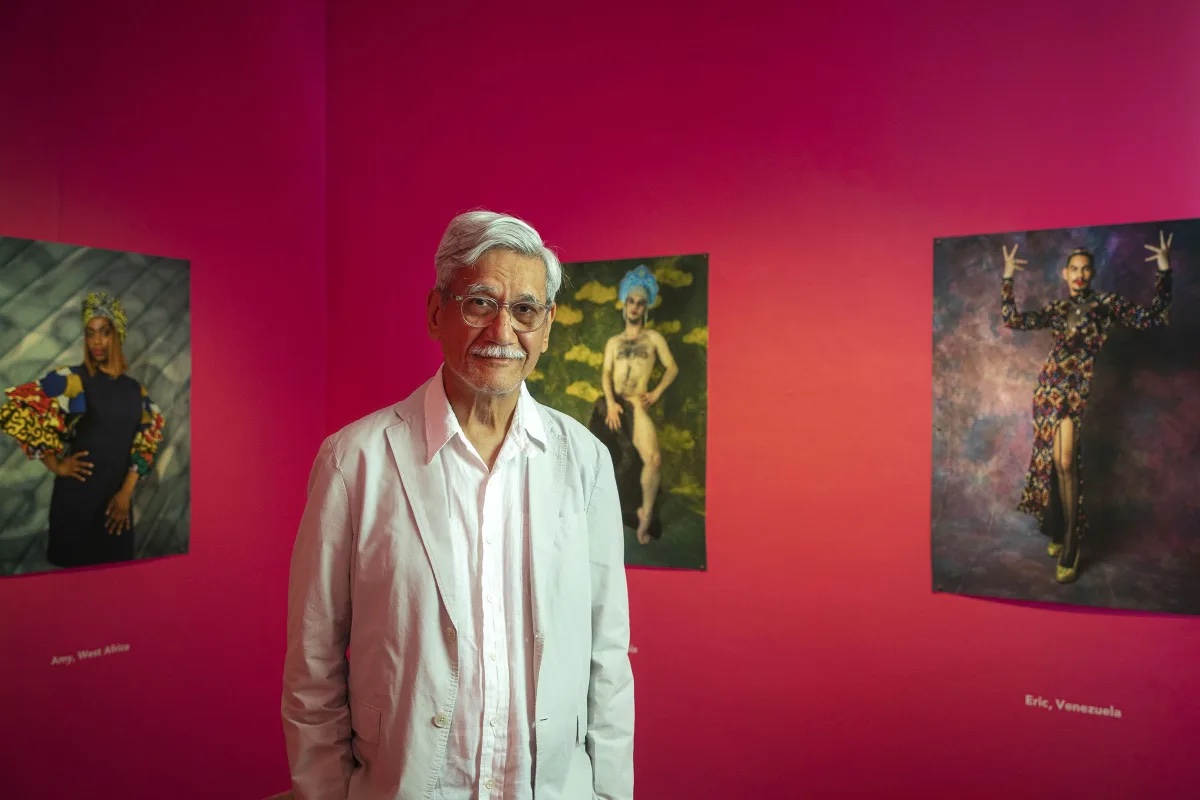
441,426
530,418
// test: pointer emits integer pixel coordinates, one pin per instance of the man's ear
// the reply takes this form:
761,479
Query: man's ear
433,313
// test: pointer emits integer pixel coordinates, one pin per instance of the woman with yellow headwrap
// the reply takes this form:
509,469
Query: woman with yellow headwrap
98,431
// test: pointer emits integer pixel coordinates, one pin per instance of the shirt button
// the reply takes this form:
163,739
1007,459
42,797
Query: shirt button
441,720
495,722
450,633
489,783
493,656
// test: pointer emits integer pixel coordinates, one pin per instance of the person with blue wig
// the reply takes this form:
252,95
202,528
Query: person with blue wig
620,418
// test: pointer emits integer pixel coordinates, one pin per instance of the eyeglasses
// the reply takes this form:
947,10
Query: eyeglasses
478,311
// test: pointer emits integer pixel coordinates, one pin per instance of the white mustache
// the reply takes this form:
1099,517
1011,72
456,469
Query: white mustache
498,351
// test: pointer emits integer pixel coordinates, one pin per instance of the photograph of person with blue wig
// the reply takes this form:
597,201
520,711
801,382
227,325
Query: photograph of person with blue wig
94,469
629,360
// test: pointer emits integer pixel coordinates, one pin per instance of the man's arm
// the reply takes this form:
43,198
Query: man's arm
612,409
1021,320
1141,317
606,374
670,368
610,691
316,717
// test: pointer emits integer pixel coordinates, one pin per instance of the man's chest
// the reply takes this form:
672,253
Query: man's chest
638,349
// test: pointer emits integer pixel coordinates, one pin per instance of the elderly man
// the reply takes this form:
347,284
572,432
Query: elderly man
465,547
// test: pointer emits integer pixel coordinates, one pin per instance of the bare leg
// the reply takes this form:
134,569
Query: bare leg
1056,543
1068,481
645,439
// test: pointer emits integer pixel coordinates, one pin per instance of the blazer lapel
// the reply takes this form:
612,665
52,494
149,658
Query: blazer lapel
425,487
545,473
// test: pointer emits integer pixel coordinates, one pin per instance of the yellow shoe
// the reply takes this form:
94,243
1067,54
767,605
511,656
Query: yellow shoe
1054,549
1067,574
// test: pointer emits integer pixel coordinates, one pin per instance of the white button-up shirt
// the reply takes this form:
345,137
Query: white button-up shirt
490,752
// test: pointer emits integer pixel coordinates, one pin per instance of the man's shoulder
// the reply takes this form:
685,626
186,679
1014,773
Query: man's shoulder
655,335
572,430
368,431
366,425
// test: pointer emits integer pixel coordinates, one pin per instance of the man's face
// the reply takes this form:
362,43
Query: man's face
1078,273
635,306
495,359
97,335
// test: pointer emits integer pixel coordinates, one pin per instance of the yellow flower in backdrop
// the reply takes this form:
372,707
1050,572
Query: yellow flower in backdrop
568,315
581,352
584,391
665,328
596,292
675,440
697,336
671,275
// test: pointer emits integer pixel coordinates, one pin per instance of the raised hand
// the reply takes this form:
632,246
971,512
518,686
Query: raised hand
1161,254
1011,262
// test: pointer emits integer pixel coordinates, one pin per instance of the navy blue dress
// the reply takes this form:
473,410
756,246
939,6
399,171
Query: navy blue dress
105,430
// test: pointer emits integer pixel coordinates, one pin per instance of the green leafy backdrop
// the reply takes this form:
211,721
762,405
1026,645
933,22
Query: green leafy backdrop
568,378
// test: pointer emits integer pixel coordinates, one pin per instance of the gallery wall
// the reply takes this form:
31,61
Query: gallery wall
814,151
196,131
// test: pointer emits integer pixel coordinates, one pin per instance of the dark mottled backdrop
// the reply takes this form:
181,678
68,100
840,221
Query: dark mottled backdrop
1140,458
568,378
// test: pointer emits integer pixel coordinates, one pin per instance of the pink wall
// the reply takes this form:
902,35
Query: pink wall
812,152
193,130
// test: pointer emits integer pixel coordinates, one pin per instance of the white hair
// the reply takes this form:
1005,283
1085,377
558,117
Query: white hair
471,235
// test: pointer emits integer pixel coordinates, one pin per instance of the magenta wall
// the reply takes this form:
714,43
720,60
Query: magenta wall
814,150
193,130
809,152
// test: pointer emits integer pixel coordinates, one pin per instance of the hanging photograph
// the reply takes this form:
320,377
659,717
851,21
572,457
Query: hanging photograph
1066,416
628,358
95,364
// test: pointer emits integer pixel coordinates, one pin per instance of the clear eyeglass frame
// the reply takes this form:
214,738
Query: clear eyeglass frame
493,307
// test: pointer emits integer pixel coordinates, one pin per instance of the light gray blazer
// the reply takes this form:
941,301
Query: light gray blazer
372,573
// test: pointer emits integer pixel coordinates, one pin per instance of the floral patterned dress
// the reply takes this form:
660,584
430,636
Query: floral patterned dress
1080,327
120,427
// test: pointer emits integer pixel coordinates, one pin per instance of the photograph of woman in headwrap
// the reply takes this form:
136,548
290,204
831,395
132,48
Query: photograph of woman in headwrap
97,430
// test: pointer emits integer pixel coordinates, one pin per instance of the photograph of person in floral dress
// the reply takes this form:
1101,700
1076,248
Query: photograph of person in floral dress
95,410
1066,411
1080,326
